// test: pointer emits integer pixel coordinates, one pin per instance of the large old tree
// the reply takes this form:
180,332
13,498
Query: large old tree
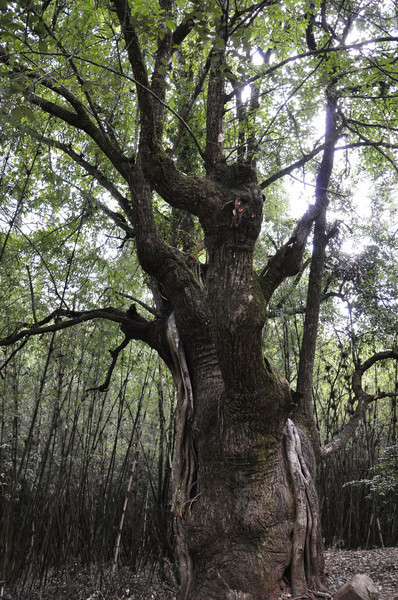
201,106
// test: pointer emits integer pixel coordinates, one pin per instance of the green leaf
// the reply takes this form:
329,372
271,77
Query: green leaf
43,47
87,86
17,113
170,24
28,112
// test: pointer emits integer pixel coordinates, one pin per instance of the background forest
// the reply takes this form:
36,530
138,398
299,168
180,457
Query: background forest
72,454
87,423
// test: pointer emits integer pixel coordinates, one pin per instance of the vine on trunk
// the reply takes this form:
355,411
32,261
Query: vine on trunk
184,455
305,563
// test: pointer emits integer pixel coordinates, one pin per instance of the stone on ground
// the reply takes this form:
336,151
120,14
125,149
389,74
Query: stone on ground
360,587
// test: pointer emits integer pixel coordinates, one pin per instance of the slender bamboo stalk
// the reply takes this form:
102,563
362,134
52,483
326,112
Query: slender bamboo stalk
129,484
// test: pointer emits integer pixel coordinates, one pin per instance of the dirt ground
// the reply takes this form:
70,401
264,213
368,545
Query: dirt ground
381,565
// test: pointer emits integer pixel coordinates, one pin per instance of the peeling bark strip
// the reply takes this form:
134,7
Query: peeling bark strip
305,559
180,364
184,467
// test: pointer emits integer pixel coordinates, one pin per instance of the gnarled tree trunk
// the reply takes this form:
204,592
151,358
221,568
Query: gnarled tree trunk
244,503
247,521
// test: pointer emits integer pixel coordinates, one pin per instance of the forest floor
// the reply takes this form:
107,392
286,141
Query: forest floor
381,565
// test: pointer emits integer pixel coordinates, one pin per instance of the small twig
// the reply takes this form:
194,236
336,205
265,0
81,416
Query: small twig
321,594
115,355
137,301
13,353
